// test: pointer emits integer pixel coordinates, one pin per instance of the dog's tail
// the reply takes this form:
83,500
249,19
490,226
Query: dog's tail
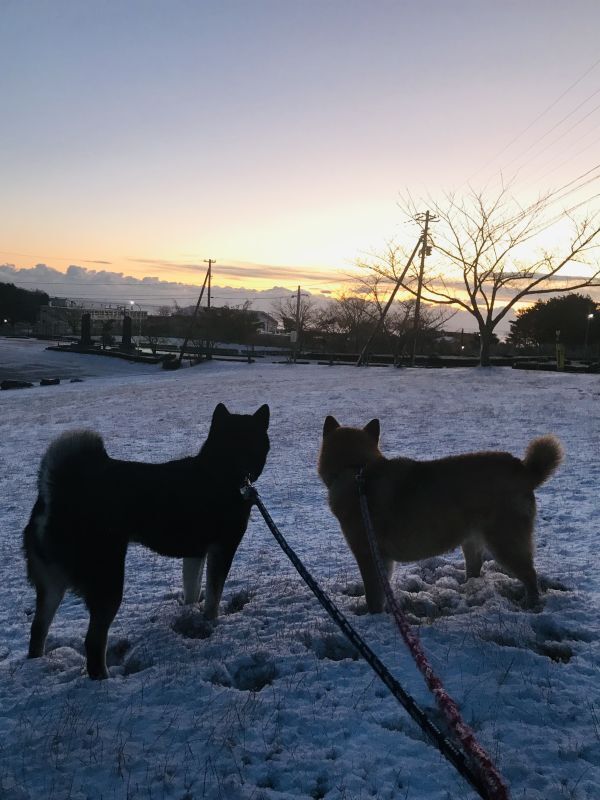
66,472
542,457
69,461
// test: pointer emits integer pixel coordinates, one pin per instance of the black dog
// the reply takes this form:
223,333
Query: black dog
90,506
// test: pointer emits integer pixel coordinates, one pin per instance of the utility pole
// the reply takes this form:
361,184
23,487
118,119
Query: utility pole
195,314
210,262
297,342
425,251
361,359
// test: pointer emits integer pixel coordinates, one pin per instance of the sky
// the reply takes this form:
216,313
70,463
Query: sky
278,138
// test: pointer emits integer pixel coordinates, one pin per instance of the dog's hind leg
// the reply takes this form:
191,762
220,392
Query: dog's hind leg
512,546
47,578
192,579
219,560
49,593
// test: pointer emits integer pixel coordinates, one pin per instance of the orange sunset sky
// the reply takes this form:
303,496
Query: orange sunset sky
277,136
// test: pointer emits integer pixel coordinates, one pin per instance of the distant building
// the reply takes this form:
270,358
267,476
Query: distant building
63,316
267,323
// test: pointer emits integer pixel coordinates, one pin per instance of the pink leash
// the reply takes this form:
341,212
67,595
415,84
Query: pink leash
494,781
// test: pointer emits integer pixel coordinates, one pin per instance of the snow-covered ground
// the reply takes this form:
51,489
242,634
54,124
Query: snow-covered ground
272,704
30,360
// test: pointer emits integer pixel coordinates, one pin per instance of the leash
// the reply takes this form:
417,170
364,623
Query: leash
496,788
434,734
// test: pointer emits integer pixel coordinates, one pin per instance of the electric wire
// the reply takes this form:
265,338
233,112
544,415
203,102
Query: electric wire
555,126
535,120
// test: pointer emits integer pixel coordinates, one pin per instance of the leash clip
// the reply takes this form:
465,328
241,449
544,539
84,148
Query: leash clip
248,491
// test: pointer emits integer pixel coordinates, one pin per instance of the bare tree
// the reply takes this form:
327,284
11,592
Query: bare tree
398,325
488,244
401,322
348,317
70,317
285,311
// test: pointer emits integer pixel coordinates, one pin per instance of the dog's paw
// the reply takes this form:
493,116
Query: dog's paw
354,589
189,603
360,608
191,625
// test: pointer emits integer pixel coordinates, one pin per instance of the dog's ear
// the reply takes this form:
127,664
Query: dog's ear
262,416
330,424
372,428
219,415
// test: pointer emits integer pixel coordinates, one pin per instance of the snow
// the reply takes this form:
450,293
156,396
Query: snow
29,360
271,703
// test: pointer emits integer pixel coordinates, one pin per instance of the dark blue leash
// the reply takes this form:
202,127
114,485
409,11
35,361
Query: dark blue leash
435,735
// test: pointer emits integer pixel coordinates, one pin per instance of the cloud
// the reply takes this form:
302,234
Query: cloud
249,270
558,283
169,265
83,283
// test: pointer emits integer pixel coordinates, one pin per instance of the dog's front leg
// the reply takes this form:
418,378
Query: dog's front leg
374,593
473,558
219,561
101,617
103,599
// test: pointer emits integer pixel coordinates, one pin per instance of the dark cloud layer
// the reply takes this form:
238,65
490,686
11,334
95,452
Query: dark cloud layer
79,282
241,271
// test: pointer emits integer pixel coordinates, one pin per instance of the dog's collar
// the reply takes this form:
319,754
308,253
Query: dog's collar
354,469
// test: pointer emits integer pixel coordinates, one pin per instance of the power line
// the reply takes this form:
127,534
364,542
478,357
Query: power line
542,176
126,299
98,283
556,194
536,119
547,201
160,292
549,223
558,138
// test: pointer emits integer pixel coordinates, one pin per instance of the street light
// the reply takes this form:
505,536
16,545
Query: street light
590,317
132,303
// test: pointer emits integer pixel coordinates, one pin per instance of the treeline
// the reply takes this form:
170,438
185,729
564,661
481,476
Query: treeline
344,325
20,305
573,318
222,324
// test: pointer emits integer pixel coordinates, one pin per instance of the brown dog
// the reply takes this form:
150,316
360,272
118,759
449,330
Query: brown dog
424,508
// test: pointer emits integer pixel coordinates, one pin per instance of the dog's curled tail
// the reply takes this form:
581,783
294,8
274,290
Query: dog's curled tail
542,457
68,460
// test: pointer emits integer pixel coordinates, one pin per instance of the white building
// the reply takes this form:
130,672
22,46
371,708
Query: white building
267,323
